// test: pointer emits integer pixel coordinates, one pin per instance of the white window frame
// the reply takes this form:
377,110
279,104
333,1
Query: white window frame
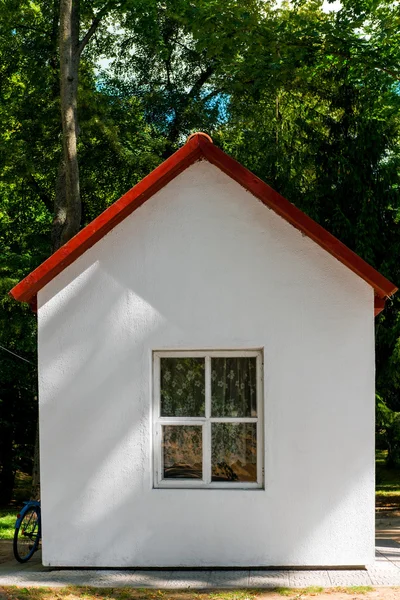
205,422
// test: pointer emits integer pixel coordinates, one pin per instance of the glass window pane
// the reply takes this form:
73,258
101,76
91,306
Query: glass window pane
182,387
234,386
234,451
182,448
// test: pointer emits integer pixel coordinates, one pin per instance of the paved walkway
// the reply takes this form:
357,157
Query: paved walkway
384,572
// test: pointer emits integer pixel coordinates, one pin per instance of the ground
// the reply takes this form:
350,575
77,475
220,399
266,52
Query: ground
387,486
76,593
385,571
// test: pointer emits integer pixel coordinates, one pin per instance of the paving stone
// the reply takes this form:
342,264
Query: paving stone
385,578
381,566
112,578
349,578
190,580
384,571
301,579
81,577
150,579
268,579
230,578
115,578
74,577
31,579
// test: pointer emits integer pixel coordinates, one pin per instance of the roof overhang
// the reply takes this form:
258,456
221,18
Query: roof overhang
198,146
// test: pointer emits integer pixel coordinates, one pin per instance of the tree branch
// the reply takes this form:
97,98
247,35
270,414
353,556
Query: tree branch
360,57
191,95
367,64
210,95
205,75
389,72
45,198
92,29
30,28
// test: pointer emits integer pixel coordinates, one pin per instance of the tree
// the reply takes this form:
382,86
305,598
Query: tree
327,137
68,207
180,58
30,153
307,100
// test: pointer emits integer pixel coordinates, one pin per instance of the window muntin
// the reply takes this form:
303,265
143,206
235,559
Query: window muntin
208,419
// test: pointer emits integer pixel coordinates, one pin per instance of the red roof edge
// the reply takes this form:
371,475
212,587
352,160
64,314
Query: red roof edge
199,145
383,287
379,305
27,289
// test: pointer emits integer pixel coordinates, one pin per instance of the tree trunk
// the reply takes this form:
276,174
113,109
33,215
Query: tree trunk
67,204
60,207
67,217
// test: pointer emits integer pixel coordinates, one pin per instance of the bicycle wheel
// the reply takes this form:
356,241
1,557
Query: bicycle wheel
26,536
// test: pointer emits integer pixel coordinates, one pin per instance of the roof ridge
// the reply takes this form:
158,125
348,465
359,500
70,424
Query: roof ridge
198,145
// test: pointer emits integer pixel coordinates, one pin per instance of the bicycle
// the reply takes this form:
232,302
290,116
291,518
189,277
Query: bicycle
28,531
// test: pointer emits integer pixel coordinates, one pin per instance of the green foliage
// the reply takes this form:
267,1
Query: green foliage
127,593
117,148
7,523
308,100
388,433
233,595
178,58
387,483
297,593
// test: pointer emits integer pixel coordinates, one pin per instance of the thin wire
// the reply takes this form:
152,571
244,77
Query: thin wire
17,355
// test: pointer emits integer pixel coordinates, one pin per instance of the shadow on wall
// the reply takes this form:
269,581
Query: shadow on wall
96,409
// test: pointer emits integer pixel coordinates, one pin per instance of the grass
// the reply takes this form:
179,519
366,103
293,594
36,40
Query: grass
7,522
299,592
8,515
90,593
231,595
387,484
355,589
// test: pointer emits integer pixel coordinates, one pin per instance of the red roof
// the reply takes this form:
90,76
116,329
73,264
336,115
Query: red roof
198,146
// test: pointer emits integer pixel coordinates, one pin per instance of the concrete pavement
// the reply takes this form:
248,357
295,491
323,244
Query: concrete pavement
385,571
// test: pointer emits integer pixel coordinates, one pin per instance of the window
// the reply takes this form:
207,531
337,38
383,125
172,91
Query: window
208,419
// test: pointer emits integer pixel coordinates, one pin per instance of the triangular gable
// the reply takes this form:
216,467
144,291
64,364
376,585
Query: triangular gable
198,146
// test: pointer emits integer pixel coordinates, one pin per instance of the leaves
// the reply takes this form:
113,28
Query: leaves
308,100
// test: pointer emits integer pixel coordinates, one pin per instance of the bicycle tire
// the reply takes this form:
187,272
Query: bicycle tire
28,530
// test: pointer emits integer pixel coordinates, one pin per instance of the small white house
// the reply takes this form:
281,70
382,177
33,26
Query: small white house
206,363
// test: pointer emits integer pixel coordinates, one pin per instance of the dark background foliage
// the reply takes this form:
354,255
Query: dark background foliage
307,99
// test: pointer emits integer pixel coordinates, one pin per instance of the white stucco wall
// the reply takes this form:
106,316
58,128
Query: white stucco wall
203,264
